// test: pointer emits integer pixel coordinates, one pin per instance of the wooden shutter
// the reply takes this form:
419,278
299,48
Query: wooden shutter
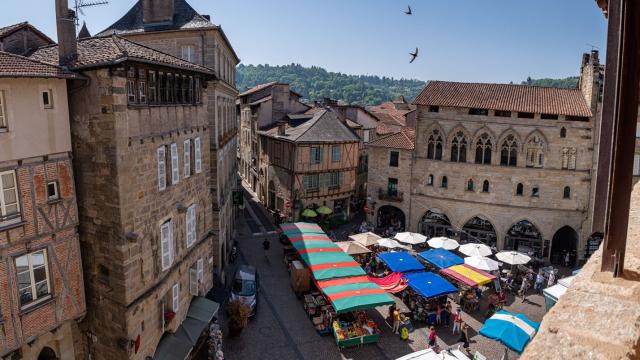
175,297
165,245
162,168
196,145
193,281
191,225
187,158
3,116
200,268
175,171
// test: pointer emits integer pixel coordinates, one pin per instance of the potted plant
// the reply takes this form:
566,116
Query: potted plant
168,316
238,317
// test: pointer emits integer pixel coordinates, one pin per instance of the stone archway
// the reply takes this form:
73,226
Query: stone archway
390,216
47,353
479,229
525,237
564,241
436,223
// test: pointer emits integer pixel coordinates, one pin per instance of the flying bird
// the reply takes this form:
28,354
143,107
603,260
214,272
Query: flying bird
408,12
414,55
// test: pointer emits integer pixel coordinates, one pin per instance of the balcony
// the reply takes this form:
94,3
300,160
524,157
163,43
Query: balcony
387,195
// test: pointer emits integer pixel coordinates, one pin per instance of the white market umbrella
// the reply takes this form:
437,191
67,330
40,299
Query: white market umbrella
475,250
410,238
352,247
443,242
391,244
366,239
513,257
482,263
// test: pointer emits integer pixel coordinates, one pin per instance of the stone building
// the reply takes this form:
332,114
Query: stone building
22,38
42,298
174,27
141,134
309,161
509,165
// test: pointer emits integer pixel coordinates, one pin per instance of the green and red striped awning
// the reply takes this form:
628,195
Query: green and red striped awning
354,293
297,229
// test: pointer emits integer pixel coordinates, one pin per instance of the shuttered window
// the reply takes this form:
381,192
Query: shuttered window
166,244
175,171
316,155
3,112
193,281
187,158
9,204
191,225
200,268
335,179
175,298
162,168
311,182
198,155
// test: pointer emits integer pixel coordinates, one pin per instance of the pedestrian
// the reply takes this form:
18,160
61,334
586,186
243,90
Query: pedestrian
432,337
502,298
438,314
447,314
552,279
457,320
539,282
464,336
523,289
266,245
396,320
392,308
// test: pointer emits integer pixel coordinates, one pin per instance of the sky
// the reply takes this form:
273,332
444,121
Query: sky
459,40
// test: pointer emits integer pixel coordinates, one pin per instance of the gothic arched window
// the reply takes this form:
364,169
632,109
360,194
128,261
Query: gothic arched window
483,149
563,133
444,184
485,186
434,146
535,152
566,194
509,151
459,148
430,180
470,186
519,189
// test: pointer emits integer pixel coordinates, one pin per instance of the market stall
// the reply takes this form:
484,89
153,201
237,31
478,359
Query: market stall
392,283
468,279
428,291
553,293
441,258
513,330
400,262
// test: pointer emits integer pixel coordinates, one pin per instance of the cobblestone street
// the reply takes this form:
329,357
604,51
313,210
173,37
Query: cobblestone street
281,329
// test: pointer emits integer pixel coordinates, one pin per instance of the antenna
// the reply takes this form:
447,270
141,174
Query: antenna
80,4
593,47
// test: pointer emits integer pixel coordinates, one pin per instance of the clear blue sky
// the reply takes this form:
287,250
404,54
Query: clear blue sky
459,40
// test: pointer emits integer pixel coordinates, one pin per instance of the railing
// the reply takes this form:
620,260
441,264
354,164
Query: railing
386,195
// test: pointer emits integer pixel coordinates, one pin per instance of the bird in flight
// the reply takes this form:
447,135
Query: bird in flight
414,55
408,12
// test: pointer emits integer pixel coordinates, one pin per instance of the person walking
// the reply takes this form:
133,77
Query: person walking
523,289
265,246
432,338
438,315
464,336
447,314
457,321
552,279
539,282
396,320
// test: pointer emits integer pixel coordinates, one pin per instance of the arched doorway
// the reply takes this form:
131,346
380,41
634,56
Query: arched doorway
525,237
390,217
479,229
47,354
565,240
435,223
271,203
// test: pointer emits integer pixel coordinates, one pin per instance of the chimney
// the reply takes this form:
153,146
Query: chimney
282,127
157,11
589,82
67,43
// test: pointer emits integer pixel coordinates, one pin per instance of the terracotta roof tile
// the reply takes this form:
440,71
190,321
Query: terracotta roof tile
506,97
8,30
12,65
257,88
403,140
101,51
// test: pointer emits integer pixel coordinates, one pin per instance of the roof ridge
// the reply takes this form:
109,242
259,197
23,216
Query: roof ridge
501,84
33,60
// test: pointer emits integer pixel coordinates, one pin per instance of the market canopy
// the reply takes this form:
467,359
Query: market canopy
392,283
441,258
366,239
474,249
513,330
443,242
410,238
430,285
353,248
400,262
468,275
482,263
354,293
297,229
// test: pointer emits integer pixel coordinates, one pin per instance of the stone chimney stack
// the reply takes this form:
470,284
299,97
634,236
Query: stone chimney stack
67,43
157,11
590,78
282,127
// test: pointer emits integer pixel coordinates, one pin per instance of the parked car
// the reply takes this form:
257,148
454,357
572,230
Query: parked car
245,286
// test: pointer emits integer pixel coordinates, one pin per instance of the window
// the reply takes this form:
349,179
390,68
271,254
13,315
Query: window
175,171
549,116
316,155
535,192
142,91
430,180
47,99
3,112
444,184
166,244
392,187
434,146
198,91
311,182
470,185
33,277
563,133
636,164
535,152
566,194
334,179
525,115
502,113
459,148
175,298
485,186
519,189
200,269
434,108
190,89
198,155
474,111
189,53
162,87
483,149
572,158
569,158
9,205
162,168
190,222
152,87
169,89
394,157
335,153
193,280
131,91
52,191
184,88
509,152
187,158
576,118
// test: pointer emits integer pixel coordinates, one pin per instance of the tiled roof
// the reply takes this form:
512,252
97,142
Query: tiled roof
12,65
403,140
104,51
383,129
506,97
323,127
257,88
8,30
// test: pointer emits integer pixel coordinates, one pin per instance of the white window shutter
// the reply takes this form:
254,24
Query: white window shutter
175,171
187,158
193,281
198,154
165,245
172,249
162,168
636,164
191,225
175,292
162,309
200,268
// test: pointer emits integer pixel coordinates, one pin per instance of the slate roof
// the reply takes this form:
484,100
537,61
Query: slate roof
12,66
110,50
84,31
8,30
506,97
403,140
323,127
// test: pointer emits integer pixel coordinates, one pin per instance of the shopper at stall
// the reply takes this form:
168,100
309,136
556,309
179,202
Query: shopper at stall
552,279
396,320
539,282
464,336
457,320
432,337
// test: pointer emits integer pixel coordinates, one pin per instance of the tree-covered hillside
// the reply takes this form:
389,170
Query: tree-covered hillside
569,82
316,83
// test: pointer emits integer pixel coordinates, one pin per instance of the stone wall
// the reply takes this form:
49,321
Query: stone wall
379,174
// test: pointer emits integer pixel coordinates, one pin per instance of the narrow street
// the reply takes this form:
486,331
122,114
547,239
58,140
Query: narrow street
281,329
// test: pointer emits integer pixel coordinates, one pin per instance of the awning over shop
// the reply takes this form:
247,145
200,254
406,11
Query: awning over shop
441,258
173,347
468,275
301,227
392,283
354,293
430,285
192,328
400,262
202,309
336,270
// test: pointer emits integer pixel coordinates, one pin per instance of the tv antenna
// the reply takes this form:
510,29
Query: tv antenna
81,4
593,47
